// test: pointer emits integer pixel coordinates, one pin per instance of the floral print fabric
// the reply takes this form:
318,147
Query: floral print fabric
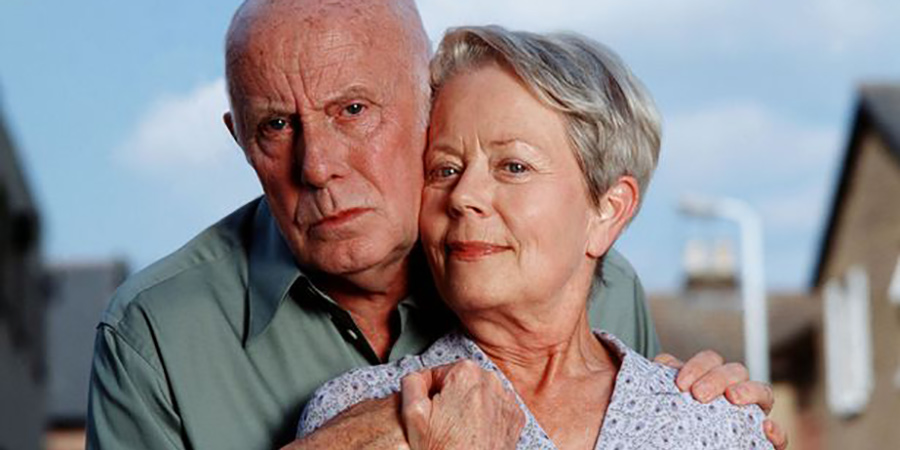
646,411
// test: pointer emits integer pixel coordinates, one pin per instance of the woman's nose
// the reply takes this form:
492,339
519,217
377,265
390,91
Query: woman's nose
471,194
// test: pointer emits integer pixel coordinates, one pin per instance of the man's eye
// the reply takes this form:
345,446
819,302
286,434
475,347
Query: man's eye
278,124
354,109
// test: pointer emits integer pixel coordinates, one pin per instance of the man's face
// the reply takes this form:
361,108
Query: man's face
331,118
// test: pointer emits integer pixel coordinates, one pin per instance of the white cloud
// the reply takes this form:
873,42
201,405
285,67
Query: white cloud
181,151
779,164
743,145
688,25
181,133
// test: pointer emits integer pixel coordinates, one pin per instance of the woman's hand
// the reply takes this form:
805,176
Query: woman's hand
459,406
707,376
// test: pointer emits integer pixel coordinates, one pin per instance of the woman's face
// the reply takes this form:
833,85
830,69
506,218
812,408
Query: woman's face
506,216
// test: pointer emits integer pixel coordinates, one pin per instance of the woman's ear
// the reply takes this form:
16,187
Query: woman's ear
612,214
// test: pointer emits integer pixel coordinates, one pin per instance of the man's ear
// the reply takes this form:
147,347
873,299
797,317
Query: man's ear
615,209
229,123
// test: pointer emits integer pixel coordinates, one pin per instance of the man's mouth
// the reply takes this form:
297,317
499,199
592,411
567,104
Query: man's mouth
473,250
340,218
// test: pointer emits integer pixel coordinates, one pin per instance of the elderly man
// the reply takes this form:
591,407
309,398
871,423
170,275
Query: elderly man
220,344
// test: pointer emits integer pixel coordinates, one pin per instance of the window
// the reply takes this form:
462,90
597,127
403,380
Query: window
848,343
894,289
5,295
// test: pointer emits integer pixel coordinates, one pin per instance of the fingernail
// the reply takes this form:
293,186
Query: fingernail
737,394
701,394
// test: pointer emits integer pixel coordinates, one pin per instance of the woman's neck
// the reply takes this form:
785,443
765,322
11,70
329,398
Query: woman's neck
565,378
536,345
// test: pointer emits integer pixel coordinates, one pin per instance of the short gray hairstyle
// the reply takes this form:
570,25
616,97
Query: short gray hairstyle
612,121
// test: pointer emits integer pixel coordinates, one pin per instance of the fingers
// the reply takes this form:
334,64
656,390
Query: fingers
458,378
415,409
714,383
776,435
667,359
696,368
414,390
457,405
752,392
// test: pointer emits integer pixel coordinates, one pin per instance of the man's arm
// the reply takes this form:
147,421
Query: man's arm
372,424
128,404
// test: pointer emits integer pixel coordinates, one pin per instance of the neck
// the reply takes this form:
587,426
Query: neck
546,348
537,342
371,298
535,354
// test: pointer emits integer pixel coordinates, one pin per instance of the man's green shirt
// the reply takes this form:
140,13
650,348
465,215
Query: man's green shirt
220,344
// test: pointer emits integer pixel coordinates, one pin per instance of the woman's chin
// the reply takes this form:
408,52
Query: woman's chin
464,298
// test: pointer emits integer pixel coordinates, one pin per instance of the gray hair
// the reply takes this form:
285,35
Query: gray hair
612,121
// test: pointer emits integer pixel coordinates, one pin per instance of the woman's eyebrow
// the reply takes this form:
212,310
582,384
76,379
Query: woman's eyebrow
514,142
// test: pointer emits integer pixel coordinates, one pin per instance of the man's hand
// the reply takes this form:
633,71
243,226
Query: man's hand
459,406
372,424
707,376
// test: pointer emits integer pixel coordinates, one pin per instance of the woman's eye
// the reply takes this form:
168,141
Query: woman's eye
354,109
444,172
515,167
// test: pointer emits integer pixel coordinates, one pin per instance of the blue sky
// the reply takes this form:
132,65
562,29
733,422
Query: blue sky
116,109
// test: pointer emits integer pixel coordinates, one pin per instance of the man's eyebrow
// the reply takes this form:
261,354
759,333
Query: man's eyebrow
352,92
262,106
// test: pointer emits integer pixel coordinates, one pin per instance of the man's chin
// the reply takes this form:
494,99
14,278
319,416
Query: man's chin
349,257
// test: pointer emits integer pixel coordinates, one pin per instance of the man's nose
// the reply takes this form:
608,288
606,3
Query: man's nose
321,156
472,194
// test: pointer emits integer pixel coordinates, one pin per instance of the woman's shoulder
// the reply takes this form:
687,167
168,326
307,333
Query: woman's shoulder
352,387
374,382
647,406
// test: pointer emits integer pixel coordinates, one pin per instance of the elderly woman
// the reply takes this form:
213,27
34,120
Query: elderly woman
540,150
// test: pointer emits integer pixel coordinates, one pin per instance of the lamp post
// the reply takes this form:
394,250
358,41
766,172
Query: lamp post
753,287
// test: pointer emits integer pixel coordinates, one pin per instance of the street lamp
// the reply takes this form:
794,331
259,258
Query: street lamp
753,287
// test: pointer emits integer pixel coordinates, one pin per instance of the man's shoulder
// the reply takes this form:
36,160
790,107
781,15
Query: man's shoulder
215,256
617,269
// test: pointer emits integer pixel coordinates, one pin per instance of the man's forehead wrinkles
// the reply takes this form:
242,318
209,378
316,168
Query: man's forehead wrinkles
268,105
331,65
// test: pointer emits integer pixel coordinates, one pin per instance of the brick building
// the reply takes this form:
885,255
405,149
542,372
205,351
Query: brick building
857,280
22,308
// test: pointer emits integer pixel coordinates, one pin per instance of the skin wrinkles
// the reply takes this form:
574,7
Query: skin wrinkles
342,168
297,65
501,170
450,140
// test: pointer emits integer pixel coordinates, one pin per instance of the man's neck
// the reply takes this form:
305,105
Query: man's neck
371,298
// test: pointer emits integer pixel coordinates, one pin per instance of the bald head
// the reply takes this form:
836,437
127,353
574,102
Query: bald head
388,24
307,12
329,102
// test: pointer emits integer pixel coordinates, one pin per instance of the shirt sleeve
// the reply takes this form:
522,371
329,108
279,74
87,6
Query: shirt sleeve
129,406
618,305
646,328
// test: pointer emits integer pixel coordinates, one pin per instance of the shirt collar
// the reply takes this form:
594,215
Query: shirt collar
272,270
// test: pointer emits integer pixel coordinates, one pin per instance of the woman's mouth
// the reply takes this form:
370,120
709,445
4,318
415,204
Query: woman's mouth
473,250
